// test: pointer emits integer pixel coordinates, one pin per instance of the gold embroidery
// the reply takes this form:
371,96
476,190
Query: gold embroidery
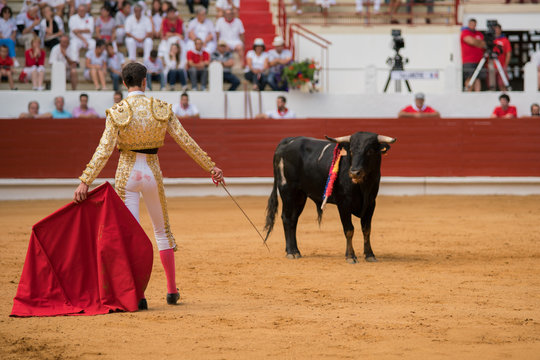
153,163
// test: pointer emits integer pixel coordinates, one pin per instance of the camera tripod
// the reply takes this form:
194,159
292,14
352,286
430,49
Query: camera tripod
487,55
397,65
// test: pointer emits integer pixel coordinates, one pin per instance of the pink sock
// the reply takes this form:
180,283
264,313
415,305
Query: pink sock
167,259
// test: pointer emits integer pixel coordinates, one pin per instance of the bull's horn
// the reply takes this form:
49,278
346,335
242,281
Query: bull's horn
339,140
385,139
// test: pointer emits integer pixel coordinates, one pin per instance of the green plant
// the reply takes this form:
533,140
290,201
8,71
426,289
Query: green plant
300,73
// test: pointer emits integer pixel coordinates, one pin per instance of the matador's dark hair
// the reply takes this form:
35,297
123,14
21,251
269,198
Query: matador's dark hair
133,74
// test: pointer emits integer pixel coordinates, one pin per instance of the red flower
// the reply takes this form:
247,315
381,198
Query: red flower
311,66
300,76
291,67
306,80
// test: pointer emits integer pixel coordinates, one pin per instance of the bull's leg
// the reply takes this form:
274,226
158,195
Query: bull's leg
348,229
366,230
292,208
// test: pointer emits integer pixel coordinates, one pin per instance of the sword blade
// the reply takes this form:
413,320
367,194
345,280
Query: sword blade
247,217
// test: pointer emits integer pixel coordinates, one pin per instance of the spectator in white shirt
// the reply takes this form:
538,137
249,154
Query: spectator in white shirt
96,65
8,30
278,58
281,112
175,67
155,68
231,30
74,6
156,14
120,20
115,61
223,5
535,59
202,28
257,65
138,33
185,110
28,24
58,6
60,53
81,26
360,6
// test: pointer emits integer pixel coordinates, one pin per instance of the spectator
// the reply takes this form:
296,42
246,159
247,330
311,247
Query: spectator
155,13
202,28
535,110
138,33
185,110
231,30
58,7
172,31
506,110
418,109
75,4
297,6
6,66
105,26
120,20
504,49
278,57
175,67
360,6
257,65
60,53
115,61
226,59
224,5
34,66
191,3
117,97
83,111
33,112
535,59
393,8
96,65
325,5
155,70
429,4
28,26
113,6
59,112
52,27
281,112
81,27
198,61
472,51
8,31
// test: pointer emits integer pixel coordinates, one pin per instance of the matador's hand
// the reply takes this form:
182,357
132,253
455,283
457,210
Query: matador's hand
217,175
81,193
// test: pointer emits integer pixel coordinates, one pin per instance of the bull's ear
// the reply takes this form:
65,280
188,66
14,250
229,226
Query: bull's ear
339,140
384,148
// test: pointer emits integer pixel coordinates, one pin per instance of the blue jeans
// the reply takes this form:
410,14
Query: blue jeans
159,77
176,75
115,80
10,45
229,77
273,82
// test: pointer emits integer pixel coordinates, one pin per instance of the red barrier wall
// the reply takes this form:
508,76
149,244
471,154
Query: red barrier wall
38,148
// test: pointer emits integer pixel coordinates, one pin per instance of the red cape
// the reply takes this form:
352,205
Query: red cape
87,259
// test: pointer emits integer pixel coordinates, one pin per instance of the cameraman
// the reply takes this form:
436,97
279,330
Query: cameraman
504,51
472,51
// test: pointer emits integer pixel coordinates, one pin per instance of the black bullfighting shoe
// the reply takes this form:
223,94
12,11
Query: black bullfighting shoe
143,305
172,299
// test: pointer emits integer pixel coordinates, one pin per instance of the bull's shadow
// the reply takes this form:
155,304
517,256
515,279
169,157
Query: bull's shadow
344,171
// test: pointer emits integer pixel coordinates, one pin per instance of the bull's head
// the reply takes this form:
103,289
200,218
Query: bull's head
365,152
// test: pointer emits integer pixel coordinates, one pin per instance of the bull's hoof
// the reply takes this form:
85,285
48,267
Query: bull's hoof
371,259
353,260
294,256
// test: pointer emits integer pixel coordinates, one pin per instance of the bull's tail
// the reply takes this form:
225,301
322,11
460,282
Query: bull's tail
319,213
271,208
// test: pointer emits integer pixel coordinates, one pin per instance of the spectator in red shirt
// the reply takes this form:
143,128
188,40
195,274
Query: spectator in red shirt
419,109
198,61
472,50
504,49
34,68
6,63
172,32
505,110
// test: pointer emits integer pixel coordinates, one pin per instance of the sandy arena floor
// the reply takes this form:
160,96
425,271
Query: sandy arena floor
457,278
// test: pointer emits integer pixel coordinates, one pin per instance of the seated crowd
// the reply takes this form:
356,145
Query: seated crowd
175,52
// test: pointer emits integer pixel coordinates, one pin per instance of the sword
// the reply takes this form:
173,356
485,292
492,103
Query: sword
243,212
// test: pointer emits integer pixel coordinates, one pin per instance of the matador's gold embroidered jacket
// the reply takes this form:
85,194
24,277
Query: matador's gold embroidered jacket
139,122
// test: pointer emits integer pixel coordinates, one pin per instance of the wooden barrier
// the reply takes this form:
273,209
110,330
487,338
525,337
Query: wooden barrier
60,148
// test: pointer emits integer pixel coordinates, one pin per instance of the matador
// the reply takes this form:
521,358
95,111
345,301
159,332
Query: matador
137,126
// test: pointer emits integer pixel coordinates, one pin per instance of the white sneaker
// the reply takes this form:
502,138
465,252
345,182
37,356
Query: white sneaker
16,63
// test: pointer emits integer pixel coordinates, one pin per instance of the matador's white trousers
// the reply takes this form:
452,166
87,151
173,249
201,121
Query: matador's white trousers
139,174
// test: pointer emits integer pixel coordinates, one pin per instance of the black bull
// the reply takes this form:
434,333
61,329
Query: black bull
301,168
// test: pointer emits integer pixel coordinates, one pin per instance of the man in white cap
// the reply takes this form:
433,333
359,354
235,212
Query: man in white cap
278,58
419,109
231,30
